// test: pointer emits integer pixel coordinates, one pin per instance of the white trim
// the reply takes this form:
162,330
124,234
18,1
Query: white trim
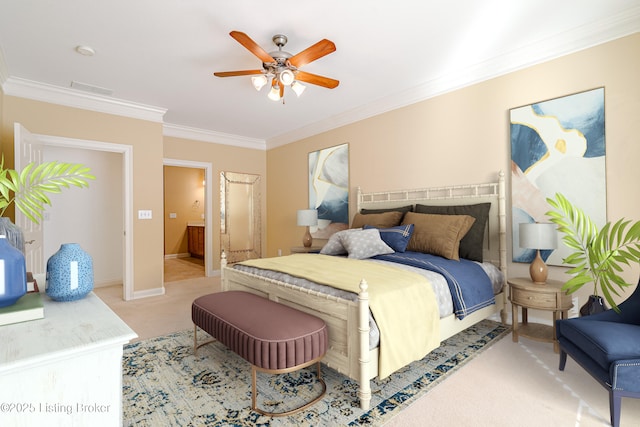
16,86
148,293
176,256
208,207
127,169
204,135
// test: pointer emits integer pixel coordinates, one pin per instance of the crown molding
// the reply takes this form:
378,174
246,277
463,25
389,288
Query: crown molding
15,86
179,131
563,44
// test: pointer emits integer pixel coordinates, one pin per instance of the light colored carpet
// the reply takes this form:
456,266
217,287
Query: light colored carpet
517,384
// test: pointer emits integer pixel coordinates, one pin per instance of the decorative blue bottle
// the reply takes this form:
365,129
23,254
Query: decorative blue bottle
69,273
13,273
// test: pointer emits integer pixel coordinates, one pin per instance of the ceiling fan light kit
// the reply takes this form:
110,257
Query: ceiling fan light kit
286,77
259,81
282,67
298,88
274,93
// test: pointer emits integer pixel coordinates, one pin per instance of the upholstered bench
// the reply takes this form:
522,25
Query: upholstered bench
272,337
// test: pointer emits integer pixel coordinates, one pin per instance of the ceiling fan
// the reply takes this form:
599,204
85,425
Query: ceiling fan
282,67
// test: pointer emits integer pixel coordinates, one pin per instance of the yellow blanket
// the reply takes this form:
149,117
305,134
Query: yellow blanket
402,302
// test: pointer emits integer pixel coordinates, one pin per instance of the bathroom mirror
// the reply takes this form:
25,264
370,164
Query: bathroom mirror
240,223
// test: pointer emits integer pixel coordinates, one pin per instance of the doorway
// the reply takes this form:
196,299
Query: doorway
183,193
123,155
187,219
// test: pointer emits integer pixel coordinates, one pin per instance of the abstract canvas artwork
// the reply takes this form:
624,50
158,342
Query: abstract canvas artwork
557,146
329,189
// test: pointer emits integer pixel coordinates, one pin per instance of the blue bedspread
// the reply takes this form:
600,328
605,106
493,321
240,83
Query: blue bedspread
470,287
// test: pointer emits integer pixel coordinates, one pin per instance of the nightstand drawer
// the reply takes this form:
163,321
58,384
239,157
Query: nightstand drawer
531,299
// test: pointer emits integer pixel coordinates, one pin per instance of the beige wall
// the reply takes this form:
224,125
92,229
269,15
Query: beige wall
149,150
146,139
463,137
184,196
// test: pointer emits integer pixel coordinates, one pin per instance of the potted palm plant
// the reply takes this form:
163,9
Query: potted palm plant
598,254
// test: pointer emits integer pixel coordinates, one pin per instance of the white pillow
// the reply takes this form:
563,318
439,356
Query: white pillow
334,245
364,244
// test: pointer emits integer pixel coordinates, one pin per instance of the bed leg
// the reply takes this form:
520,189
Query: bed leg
223,265
364,389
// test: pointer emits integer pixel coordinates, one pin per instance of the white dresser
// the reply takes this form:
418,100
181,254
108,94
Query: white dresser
65,369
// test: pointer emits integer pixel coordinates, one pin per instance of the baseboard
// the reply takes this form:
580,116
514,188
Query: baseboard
105,283
174,256
148,293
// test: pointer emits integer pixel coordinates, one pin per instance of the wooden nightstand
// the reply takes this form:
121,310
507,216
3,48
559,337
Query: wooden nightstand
524,293
303,250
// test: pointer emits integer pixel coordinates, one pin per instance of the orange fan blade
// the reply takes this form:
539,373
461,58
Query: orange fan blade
318,50
251,46
314,79
237,73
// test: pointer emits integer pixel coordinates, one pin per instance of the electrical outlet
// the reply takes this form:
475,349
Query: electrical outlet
144,214
173,215
279,252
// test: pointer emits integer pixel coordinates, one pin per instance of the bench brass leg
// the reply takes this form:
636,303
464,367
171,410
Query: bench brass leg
196,346
254,391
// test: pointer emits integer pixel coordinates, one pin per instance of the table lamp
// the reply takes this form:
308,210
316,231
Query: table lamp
307,218
538,236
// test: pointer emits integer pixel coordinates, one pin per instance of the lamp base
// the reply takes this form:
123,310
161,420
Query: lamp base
307,240
538,270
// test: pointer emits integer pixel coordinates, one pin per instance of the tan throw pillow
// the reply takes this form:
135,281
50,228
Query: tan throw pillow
378,220
437,234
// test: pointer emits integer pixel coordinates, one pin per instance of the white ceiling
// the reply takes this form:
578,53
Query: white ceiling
162,54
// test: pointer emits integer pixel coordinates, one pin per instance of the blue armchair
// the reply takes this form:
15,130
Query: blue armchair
607,346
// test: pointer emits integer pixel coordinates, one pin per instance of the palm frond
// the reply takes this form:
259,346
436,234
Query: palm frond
28,189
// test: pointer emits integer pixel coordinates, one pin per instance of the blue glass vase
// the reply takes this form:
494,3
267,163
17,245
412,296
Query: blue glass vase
13,273
69,273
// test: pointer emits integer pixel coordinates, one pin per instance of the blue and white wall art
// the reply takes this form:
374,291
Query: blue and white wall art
329,189
557,146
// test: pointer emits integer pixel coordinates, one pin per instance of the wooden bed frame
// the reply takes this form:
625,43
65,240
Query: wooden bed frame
348,321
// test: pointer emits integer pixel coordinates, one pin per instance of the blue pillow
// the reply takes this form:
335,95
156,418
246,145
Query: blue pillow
397,238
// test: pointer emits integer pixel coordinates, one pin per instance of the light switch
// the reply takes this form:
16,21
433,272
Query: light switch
173,215
144,214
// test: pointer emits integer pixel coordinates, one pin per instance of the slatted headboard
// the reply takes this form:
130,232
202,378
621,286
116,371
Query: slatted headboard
495,246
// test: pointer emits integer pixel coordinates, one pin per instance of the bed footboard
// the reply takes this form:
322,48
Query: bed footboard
347,321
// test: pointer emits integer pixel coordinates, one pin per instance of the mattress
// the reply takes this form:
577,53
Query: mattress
438,283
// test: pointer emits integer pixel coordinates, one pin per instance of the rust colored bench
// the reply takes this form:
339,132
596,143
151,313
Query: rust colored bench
272,337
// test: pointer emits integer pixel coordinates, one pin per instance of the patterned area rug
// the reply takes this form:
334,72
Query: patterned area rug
165,384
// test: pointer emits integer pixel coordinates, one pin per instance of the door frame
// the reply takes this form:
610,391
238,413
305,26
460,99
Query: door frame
208,207
127,171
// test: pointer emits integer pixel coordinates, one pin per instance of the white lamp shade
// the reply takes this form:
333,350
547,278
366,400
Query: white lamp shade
286,77
274,93
298,87
307,217
538,236
259,81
